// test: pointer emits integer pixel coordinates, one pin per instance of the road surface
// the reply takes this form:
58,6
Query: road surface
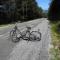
23,50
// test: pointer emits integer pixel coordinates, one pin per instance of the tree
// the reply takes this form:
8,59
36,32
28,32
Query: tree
8,11
28,9
54,10
23,10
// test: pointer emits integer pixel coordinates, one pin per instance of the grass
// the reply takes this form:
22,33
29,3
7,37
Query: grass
55,51
5,25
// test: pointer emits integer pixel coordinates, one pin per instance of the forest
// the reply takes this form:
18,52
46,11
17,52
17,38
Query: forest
19,10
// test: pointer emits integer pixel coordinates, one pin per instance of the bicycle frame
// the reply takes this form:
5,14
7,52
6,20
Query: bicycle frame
27,36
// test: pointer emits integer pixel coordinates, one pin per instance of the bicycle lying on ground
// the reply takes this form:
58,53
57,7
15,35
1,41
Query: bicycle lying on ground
16,35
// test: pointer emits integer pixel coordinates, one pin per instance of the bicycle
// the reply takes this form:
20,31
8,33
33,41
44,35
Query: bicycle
16,35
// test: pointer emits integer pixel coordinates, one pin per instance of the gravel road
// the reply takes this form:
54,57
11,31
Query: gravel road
36,50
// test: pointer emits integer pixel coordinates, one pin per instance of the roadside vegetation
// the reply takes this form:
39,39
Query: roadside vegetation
54,18
6,25
55,34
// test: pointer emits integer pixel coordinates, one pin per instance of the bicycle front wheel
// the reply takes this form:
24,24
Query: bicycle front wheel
35,36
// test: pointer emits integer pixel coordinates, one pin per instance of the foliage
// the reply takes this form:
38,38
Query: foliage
55,51
29,9
15,10
54,11
55,54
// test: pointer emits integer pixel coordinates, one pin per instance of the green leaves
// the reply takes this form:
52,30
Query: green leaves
23,10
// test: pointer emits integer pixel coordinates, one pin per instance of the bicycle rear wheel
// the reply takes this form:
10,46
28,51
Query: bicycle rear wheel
35,36
13,36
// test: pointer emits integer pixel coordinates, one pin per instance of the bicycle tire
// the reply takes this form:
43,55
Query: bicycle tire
35,37
13,36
